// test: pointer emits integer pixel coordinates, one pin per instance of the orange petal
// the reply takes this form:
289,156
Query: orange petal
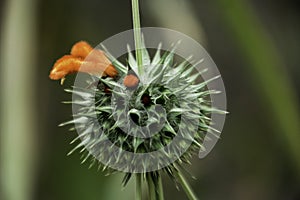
64,66
98,56
111,71
97,69
84,50
85,59
81,49
70,64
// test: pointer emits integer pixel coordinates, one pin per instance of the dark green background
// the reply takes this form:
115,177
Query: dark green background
256,46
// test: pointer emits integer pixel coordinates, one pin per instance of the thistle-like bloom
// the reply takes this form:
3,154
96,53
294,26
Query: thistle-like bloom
84,59
154,124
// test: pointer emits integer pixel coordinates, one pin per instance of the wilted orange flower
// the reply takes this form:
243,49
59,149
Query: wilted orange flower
85,59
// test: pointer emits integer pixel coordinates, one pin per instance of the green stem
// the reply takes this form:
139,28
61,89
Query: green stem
151,187
138,187
137,34
155,186
159,190
185,185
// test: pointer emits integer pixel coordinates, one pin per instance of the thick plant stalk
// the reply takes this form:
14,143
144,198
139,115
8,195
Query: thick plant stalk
159,191
139,187
139,58
137,34
155,187
17,124
151,187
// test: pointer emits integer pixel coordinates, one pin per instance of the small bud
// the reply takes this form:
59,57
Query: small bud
131,81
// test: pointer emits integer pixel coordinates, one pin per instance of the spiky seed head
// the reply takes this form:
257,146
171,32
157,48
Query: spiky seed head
168,103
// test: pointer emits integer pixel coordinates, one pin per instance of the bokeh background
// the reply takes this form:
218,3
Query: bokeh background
256,45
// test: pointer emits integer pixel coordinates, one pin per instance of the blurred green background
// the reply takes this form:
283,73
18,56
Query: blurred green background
256,45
